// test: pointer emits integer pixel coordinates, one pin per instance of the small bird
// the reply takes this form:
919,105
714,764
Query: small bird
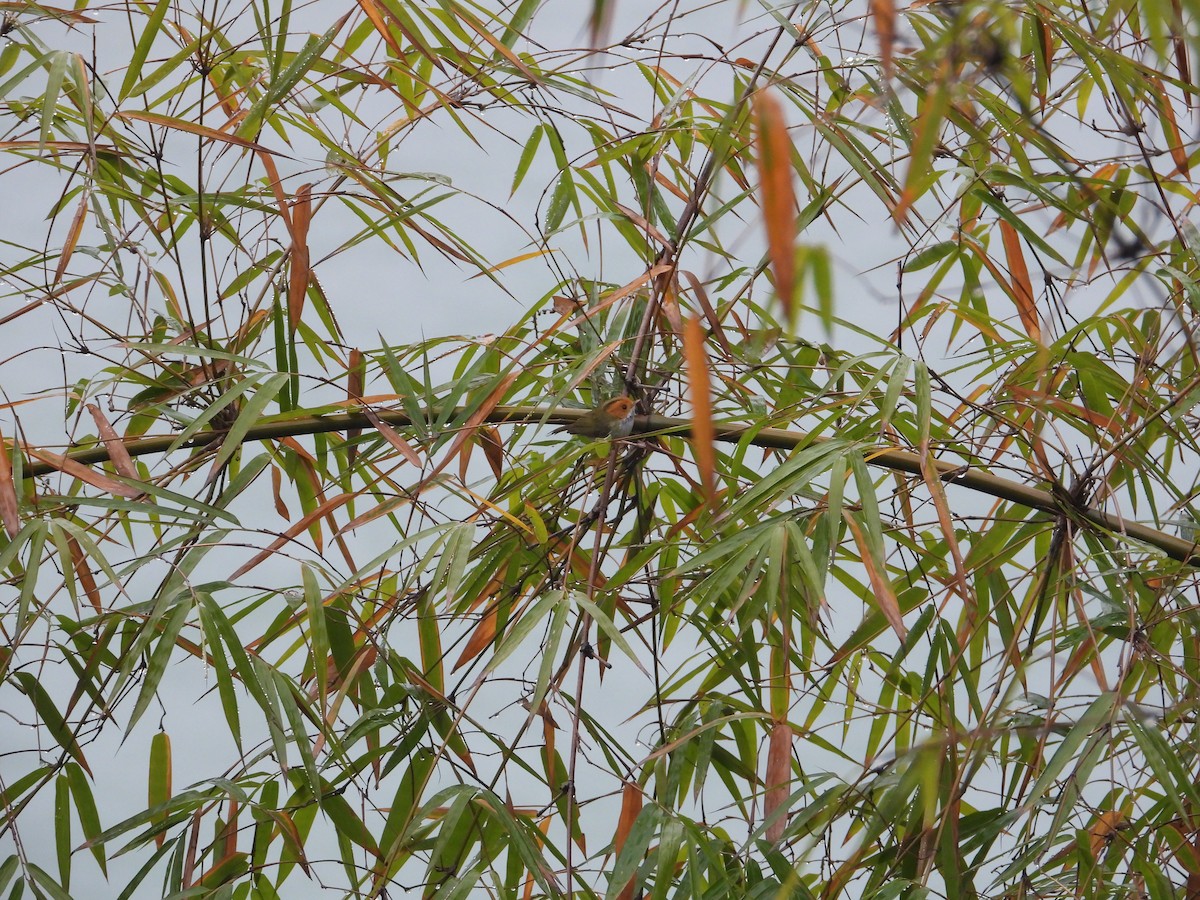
613,419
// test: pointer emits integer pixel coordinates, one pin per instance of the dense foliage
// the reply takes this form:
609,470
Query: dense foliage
890,592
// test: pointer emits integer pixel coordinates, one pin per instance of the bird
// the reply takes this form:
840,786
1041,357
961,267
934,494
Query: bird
612,419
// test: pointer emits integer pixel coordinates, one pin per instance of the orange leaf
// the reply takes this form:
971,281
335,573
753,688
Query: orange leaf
777,196
276,183
620,294
227,839
473,422
374,14
1170,127
22,6
884,14
1105,829
933,482
885,597
481,638
533,254
356,373
779,774
700,389
1108,421
1022,287
631,805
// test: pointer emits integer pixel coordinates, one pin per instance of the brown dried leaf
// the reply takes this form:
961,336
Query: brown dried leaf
669,306
356,374
300,272
89,476
497,45
193,128
779,774
392,437
276,488
117,453
471,426
72,238
1170,127
84,573
10,508
700,390
646,225
933,481
294,530
1179,39
566,306
710,314
493,448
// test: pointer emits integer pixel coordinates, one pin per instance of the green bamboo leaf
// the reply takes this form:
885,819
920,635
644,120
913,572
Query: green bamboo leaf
62,829
609,628
347,823
33,564
52,888
647,824
290,700
560,201
518,631
526,160
7,87
159,780
156,666
248,417
1092,726
52,719
282,84
59,60
550,648
85,809
141,50
225,401
317,631
8,869
458,832
452,562
406,801
429,636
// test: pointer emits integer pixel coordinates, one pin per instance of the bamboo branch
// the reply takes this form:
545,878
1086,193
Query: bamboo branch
1043,499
